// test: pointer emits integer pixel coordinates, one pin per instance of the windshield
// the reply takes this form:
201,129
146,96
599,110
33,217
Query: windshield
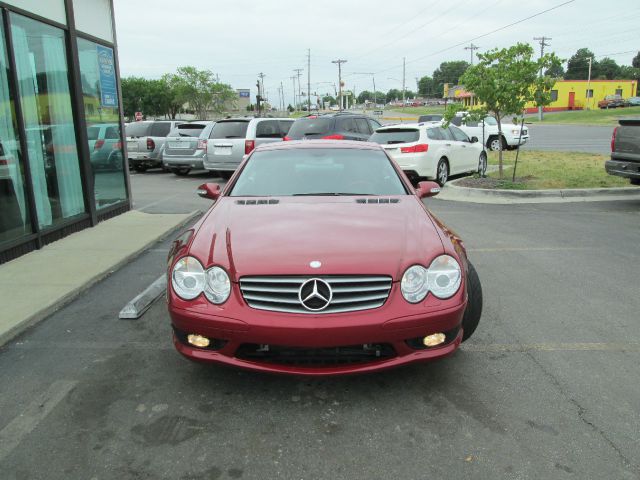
187,130
395,135
310,126
321,171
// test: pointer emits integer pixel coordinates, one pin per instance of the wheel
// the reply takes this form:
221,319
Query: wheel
442,172
495,144
140,168
482,164
225,175
181,172
473,312
635,181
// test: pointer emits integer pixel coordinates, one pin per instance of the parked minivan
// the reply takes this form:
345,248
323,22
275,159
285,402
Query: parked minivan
145,140
233,138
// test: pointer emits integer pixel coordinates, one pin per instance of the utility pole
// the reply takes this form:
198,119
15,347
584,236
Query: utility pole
294,92
403,80
260,92
339,62
543,43
309,80
282,96
472,47
298,70
589,85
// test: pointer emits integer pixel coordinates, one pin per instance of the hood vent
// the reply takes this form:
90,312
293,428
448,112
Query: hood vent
263,201
377,200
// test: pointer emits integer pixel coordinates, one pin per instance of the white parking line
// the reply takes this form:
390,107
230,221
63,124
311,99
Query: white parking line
28,420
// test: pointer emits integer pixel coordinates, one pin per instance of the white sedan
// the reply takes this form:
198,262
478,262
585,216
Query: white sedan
430,150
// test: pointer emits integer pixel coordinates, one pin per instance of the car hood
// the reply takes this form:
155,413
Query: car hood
344,235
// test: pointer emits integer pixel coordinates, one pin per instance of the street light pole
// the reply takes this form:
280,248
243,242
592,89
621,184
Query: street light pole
339,62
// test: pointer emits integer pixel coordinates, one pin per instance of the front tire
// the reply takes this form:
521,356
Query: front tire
473,312
495,144
442,172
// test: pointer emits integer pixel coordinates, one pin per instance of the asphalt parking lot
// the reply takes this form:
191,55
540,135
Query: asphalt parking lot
548,386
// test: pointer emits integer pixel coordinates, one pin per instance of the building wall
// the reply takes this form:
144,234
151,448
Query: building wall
601,88
62,161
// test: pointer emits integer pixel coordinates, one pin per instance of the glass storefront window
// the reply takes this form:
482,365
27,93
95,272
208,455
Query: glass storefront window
94,17
14,211
52,9
97,72
43,84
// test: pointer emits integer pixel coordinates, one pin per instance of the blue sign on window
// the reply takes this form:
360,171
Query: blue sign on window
107,69
244,94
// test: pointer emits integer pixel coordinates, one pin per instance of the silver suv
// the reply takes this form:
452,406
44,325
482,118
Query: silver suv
145,140
186,147
233,138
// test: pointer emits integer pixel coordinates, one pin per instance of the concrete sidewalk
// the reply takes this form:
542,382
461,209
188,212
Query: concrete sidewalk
39,283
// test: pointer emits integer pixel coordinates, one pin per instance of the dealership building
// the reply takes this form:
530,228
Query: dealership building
62,165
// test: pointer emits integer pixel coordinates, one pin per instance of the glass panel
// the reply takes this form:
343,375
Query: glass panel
93,17
14,211
103,122
268,129
160,129
230,129
51,9
43,80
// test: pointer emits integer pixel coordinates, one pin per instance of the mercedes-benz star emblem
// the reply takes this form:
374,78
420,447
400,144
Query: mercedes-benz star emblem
315,294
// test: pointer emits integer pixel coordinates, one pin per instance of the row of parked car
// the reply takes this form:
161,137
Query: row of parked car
425,150
616,101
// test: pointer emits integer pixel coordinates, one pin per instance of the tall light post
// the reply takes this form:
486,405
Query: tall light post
339,62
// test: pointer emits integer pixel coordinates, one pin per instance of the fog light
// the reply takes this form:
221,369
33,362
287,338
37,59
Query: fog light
433,340
198,341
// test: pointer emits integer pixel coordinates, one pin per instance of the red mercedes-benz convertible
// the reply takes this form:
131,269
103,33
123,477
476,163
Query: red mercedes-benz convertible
320,258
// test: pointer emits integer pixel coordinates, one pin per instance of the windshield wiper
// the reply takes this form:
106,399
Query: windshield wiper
328,194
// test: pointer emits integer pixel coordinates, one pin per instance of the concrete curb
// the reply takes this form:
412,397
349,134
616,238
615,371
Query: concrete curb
21,324
454,192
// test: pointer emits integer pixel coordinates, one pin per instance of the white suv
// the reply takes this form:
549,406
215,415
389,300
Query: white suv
429,150
510,132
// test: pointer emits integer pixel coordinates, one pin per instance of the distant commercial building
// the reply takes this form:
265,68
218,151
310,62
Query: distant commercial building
244,99
62,166
565,94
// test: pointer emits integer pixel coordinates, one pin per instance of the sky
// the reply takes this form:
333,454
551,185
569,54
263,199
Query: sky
239,39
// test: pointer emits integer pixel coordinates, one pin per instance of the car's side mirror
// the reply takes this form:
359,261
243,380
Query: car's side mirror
474,139
209,190
427,189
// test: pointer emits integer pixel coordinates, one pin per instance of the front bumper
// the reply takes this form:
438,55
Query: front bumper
513,141
386,325
626,169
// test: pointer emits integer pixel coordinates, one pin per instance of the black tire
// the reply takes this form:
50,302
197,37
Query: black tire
474,304
181,172
482,164
442,172
635,181
225,175
140,168
493,144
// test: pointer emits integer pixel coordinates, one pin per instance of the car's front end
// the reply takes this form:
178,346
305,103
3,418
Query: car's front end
513,135
314,283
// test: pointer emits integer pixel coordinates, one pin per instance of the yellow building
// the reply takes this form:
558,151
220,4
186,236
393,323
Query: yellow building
581,94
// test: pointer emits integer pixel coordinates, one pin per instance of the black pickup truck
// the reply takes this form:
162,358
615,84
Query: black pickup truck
625,151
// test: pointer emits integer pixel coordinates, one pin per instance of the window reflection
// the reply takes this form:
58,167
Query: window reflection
14,213
97,73
43,84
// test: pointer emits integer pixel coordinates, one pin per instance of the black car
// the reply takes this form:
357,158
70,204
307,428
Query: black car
333,126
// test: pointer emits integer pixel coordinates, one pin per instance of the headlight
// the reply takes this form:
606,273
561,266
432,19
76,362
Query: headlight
218,285
414,284
442,278
188,278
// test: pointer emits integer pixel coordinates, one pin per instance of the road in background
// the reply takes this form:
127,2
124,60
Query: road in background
547,387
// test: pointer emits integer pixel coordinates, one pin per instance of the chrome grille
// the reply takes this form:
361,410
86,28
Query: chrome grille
350,293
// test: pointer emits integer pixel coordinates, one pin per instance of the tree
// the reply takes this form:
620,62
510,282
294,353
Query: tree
427,86
448,72
555,72
504,80
134,91
365,96
608,69
629,73
201,91
393,94
578,66
328,99
635,63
